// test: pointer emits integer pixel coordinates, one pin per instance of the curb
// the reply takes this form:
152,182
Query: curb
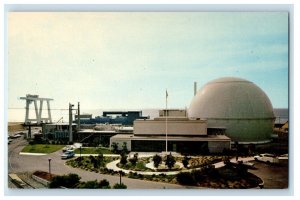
32,154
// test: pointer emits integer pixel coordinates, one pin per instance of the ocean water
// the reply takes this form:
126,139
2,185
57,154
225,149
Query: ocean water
18,115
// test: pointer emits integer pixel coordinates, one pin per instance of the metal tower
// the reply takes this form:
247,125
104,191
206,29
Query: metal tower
38,109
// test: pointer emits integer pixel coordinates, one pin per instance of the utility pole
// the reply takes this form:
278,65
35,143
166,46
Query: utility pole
49,159
70,123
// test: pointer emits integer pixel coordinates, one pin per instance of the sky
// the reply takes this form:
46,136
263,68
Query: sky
127,60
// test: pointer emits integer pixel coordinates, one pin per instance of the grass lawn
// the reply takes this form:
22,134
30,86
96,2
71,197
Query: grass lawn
93,150
42,148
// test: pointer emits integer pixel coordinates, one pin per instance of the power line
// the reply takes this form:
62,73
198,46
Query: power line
12,108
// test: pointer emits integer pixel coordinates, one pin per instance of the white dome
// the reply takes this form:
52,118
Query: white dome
236,104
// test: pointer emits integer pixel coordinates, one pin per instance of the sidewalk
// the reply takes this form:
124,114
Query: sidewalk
32,154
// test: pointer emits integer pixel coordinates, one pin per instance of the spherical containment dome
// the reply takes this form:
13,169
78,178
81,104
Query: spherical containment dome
237,105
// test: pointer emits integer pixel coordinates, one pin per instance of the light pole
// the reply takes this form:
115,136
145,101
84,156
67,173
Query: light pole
121,173
49,159
80,151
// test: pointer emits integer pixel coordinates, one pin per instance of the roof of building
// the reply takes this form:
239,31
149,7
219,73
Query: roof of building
94,131
173,138
61,124
231,97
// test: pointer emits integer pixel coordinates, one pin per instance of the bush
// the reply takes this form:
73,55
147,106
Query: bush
185,161
157,160
120,186
114,147
123,160
185,178
170,161
134,159
104,183
68,181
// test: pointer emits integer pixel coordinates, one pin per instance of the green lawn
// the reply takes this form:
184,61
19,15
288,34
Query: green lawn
42,148
93,150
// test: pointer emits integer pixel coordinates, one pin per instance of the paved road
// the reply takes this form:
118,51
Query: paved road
26,163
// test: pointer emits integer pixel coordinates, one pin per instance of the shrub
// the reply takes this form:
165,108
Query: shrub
157,160
103,183
185,161
134,159
123,160
114,147
185,178
120,186
170,161
68,181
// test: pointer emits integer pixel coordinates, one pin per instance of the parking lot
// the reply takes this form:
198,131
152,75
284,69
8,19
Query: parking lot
274,176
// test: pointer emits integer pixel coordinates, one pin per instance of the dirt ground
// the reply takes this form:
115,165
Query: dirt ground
15,126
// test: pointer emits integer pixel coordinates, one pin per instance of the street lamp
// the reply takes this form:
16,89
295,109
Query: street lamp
49,159
80,151
121,173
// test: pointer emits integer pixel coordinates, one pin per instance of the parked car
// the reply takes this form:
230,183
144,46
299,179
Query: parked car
66,148
268,158
68,154
16,136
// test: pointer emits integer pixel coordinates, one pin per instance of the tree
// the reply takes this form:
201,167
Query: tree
124,147
185,161
134,160
94,161
123,160
114,147
100,159
170,161
156,160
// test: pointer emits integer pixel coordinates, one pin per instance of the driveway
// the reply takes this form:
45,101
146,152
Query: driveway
28,163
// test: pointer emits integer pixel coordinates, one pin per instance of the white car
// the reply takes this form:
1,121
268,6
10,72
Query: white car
68,154
66,148
16,136
268,158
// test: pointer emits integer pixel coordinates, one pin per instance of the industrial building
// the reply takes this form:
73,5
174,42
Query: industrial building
184,135
237,105
225,111
112,117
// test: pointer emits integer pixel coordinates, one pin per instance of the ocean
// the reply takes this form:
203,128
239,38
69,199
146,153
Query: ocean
18,115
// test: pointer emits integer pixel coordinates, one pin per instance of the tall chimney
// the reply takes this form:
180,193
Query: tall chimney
70,123
78,116
195,88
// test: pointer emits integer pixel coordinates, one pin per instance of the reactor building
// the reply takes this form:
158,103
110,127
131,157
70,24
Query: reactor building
223,112
237,105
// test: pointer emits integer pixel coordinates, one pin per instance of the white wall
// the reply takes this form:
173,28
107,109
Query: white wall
158,127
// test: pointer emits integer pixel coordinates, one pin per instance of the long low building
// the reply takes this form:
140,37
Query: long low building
181,134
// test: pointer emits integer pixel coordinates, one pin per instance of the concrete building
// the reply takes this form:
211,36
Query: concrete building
183,135
239,106
225,111
57,131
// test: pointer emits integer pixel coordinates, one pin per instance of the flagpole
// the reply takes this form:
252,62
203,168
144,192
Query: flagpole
166,121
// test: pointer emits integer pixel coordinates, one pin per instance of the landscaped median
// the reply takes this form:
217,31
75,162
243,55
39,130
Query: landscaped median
41,148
